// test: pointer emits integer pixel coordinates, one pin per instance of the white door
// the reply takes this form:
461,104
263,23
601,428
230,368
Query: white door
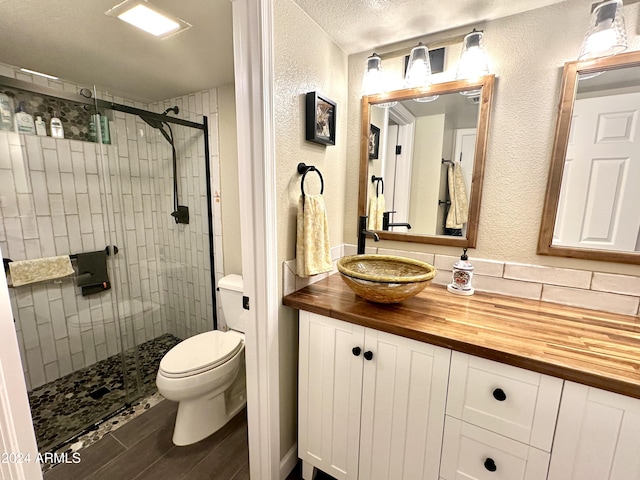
403,402
598,207
597,436
330,381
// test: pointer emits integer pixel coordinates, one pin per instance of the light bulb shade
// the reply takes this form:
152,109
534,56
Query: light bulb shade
418,68
607,34
473,60
373,81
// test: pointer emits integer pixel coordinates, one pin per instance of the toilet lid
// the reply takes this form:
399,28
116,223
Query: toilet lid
201,352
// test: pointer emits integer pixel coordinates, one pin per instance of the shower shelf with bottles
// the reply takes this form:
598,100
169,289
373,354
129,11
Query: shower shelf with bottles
78,112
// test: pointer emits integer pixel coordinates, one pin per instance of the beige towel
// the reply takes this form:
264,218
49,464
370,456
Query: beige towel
459,208
24,272
376,209
313,254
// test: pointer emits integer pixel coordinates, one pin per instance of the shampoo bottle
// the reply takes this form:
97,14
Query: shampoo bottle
104,129
41,127
6,113
56,126
24,121
462,275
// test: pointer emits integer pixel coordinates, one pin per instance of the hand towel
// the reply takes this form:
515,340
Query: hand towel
24,272
376,209
459,208
92,272
312,243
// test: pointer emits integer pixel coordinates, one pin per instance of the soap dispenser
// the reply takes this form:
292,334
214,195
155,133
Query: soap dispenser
462,275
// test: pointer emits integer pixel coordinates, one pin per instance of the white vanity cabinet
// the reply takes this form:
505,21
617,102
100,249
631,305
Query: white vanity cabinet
597,437
371,404
500,421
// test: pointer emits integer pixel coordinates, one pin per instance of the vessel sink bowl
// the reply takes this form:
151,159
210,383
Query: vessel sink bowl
385,278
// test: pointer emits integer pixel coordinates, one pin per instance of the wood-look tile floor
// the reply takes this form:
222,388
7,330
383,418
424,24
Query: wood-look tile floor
142,450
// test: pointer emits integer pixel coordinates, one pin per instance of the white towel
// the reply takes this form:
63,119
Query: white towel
376,209
459,208
24,272
313,254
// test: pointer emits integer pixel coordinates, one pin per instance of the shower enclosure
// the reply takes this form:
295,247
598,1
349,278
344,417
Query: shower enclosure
128,182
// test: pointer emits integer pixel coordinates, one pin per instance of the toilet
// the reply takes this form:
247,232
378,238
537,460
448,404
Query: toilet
206,373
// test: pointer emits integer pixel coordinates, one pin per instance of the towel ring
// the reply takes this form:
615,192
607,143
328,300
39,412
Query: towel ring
378,181
304,169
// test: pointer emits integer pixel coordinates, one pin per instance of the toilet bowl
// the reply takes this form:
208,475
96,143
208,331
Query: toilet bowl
206,373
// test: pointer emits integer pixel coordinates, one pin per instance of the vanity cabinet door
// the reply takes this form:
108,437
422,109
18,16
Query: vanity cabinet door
598,436
404,390
473,453
517,403
330,390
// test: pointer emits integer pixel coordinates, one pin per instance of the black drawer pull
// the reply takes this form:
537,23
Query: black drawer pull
368,355
490,465
499,395
356,351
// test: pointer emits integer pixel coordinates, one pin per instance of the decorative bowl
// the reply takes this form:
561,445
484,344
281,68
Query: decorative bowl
385,278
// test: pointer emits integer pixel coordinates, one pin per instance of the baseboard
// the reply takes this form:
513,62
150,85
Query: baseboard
289,461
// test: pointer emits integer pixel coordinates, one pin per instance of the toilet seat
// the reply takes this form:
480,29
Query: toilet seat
200,353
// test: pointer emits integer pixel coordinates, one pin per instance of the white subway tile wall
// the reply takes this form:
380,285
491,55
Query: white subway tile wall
59,197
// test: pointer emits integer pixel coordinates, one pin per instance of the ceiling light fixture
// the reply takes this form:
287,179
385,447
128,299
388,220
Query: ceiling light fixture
33,72
419,71
607,34
141,14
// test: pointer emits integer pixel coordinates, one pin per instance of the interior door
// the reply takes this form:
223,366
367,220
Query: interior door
598,205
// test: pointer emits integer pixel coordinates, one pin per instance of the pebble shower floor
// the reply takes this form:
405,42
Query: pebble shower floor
64,408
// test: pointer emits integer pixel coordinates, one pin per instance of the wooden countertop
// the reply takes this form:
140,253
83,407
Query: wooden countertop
585,346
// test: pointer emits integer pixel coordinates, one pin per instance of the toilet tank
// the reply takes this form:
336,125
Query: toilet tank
230,288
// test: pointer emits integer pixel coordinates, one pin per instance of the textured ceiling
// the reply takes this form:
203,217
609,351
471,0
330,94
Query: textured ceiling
74,40
359,25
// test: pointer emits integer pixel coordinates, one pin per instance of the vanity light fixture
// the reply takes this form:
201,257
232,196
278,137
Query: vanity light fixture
607,34
374,81
419,71
473,62
141,14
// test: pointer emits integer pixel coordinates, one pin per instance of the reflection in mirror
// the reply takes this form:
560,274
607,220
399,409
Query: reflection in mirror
428,152
592,206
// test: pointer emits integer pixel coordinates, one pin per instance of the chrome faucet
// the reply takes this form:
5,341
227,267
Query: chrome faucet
363,233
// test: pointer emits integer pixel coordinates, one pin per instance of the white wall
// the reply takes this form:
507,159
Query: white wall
306,59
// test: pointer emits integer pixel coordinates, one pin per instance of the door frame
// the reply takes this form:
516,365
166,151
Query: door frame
253,60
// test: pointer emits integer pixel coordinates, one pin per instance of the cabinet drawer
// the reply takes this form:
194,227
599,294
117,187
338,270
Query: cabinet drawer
472,453
517,403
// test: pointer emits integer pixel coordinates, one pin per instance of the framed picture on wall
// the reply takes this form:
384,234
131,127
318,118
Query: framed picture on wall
320,119
374,142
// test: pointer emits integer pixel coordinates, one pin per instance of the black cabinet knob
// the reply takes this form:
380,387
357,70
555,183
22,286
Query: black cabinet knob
499,395
490,465
368,355
356,351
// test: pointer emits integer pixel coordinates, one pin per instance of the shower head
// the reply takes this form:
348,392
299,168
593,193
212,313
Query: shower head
152,123
175,110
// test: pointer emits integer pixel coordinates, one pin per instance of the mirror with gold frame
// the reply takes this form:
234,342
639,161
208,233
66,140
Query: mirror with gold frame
449,124
592,201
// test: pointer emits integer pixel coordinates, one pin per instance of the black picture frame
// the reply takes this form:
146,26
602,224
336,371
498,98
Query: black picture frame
320,119
374,142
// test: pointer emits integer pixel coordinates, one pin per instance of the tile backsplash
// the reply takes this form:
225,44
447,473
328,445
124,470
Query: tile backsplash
580,288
